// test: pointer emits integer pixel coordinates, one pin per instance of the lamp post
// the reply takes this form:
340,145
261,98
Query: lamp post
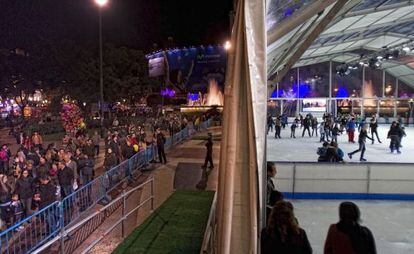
101,4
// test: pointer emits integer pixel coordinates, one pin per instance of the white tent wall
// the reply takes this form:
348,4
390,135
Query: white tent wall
242,155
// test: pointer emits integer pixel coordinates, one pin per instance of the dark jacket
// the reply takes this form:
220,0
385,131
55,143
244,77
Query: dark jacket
110,161
86,166
209,145
47,194
160,140
363,136
24,187
65,176
294,243
338,242
89,150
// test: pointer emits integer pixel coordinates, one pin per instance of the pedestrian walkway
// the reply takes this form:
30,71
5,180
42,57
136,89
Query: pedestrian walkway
190,151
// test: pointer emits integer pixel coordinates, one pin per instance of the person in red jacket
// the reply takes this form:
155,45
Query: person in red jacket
348,236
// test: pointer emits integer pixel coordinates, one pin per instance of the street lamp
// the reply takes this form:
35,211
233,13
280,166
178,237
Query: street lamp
101,4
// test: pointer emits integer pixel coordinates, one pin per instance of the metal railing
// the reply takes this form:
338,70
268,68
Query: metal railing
37,229
119,203
210,235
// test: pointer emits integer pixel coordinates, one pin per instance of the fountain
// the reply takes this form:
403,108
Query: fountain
214,96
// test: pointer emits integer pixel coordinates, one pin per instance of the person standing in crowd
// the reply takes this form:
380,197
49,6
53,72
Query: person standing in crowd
24,188
5,155
96,138
66,178
271,173
5,199
16,210
37,139
278,127
335,133
348,236
373,125
363,136
351,130
160,146
46,193
270,123
283,234
86,169
306,126
209,154
89,149
394,135
293,127
315,126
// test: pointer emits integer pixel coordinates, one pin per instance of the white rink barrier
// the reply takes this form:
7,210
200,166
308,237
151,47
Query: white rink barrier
312,180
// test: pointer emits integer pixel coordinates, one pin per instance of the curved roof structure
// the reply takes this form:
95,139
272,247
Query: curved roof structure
359,30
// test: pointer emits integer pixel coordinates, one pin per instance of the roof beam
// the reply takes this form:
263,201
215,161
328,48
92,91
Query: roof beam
313,34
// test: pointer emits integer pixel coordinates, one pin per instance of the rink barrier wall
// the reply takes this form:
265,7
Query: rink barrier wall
312,180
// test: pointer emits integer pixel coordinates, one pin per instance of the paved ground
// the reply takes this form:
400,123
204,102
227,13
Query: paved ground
190,152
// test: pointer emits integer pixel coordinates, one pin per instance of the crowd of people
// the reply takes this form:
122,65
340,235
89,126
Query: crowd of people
332,126
39,174
284,235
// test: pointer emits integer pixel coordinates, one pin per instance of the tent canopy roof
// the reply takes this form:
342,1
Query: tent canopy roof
368,26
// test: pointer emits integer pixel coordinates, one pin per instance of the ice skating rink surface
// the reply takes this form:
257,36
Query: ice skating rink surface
304,149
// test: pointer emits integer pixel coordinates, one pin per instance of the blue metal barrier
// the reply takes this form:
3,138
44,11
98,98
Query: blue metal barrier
35,230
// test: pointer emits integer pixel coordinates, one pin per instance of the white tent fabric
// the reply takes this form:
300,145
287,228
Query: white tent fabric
243,148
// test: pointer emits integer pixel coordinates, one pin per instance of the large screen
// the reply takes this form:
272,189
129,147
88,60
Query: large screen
156,67
314,105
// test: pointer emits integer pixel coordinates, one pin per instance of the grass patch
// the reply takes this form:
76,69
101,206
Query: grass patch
176,227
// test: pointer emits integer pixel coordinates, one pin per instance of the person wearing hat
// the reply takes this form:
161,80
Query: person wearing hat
209,155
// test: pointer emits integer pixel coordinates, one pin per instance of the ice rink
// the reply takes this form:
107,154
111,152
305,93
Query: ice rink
304,149
392,223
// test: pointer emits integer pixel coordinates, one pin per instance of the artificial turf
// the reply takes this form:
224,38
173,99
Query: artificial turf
177,226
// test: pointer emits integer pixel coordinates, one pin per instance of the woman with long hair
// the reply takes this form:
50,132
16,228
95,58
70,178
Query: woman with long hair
348,236
283,234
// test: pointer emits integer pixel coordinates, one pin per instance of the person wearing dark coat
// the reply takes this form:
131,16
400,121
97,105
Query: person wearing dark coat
66,178
25,189
110,160
283,234
363,135
394,135
46,193
209,154
374,129
348,236
307,122
86,168
89,149
160,146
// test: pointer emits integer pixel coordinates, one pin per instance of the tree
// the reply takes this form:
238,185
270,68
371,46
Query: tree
125,74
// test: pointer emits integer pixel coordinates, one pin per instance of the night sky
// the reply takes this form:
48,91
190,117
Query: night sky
133,23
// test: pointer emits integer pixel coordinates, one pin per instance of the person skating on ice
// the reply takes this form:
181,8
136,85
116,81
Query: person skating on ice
293,127
306,126
315,126
373,125
394,135
363,136
278,127
351,130
322,132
